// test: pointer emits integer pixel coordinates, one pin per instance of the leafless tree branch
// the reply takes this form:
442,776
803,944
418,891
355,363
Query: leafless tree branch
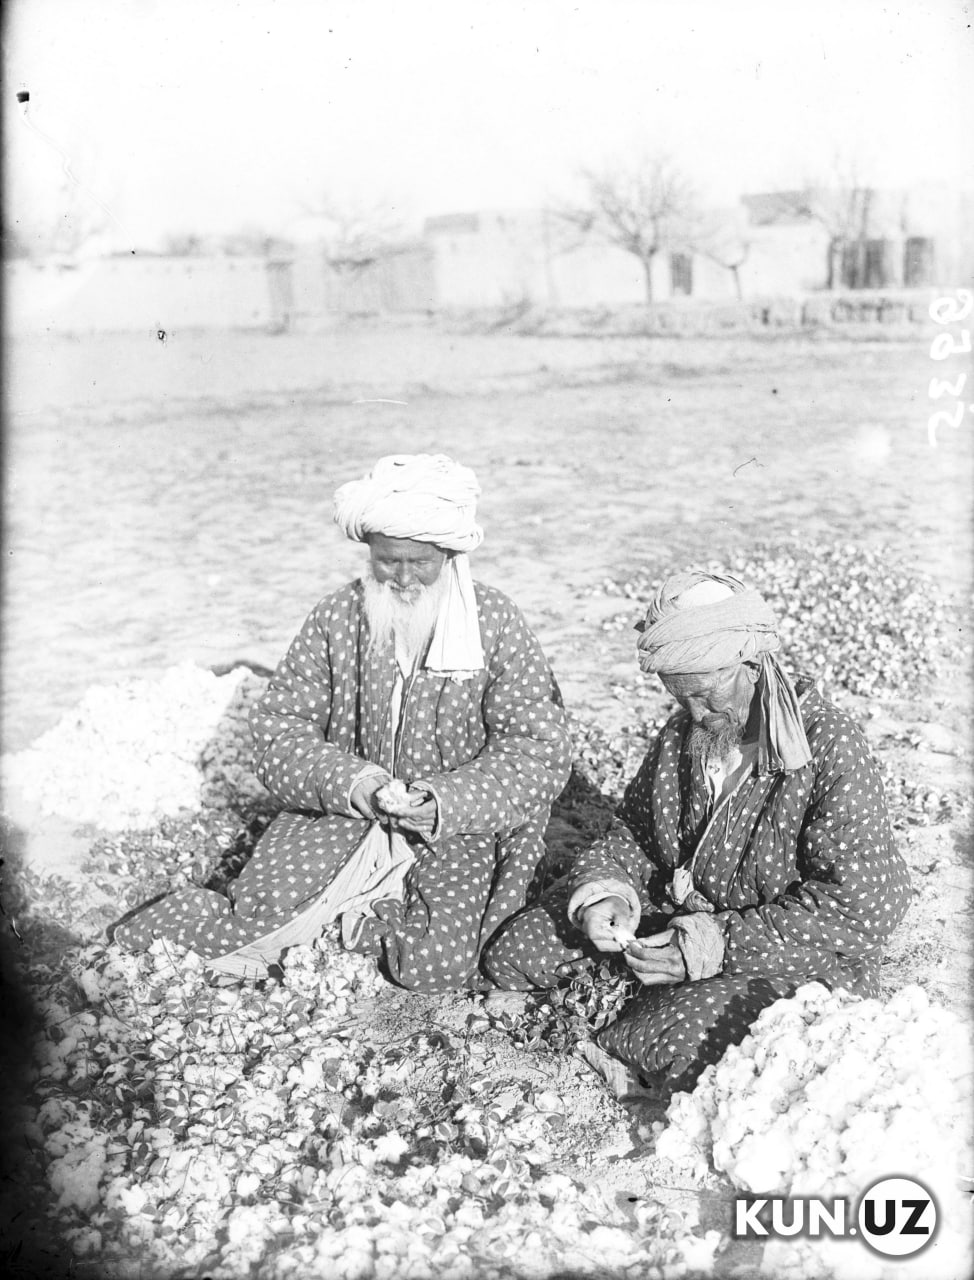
641,208
354,237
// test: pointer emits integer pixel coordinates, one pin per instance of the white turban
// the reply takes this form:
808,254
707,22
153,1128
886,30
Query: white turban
424,496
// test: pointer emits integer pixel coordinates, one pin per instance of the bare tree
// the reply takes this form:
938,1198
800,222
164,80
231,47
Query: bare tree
723,238
354,236
642,208
843,207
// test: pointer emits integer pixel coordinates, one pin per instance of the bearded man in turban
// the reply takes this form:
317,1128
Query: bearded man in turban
415,735
751,852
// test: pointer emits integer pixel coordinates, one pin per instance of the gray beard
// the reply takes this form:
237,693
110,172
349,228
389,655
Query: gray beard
404,620
714,744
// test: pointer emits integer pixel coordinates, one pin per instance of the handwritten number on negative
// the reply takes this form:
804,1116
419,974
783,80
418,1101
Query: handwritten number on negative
952,310
952,420
945,344
949,311
941,387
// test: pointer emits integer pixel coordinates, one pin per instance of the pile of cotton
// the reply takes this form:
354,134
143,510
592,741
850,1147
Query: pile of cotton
828,1095
185,1127
129,754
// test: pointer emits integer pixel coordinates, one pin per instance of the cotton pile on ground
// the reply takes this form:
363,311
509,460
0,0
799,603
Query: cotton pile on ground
130,754
192,1129
830,1094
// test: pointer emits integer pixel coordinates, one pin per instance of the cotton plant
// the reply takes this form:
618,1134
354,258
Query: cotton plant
172,1124
192,1126
856,617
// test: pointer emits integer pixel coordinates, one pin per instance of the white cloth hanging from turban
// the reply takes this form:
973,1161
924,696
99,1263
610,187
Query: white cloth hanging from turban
426,497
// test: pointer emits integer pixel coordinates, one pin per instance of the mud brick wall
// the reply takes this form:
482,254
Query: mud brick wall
888,310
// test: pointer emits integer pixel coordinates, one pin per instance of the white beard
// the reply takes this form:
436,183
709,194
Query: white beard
405,619
714,745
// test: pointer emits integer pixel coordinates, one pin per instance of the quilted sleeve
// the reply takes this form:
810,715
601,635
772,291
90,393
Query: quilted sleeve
290,723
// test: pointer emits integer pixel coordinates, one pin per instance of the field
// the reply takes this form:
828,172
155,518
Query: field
170,501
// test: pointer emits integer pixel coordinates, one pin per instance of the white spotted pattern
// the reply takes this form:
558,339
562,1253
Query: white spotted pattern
494,749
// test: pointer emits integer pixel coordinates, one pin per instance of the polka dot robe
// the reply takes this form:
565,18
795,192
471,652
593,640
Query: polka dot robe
494,749
798,869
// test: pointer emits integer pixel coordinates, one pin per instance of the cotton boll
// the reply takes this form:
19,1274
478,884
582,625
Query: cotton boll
738,1070
908,1003
470,1214
864,1139
391,1148
355,1261
812,999
54,1114
133,1200
698,1252
790,1260
84,1241
762,1162
72,1137
611,1245
737,1121
386,1267
246,1185
75,1177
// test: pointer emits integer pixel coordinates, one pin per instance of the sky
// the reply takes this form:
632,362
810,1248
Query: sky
213,116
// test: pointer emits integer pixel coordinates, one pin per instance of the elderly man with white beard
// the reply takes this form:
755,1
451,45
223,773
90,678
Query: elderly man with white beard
751,853
415,737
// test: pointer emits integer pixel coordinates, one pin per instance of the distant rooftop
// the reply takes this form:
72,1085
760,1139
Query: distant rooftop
768,207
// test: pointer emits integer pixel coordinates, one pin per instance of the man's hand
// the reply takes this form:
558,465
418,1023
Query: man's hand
363,795
421,819
410,809
604,921
656,960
